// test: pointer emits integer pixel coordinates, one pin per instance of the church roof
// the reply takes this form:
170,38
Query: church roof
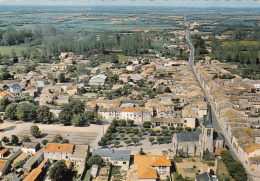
188,137
208,122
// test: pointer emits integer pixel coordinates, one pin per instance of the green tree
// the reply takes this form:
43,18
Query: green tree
140,135
26,111
151,139
130,122
95,159
160,139
147,124
135,130
26,139
57,138
135,141
117,143
14,140
77,120
64,140
128,141
167,90
65,115
151,131
5,139
119,129
59,171
131,135
165,132
44,142
4,103
35,131
11,111
44,115
62,78
141,152
122,135
113,135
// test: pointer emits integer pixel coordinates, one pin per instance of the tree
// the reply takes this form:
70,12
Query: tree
141,152
140,135
160,139
121,122
5,139
59,171
127,129
26,111
151,131
117,143
44,115
168,139
109,143
57,138
122,135
119,129
95,159
14,140
151,139
147,124
165,132
4,103
113,135
135,141
128,141
35,131
167,90
45,141
65,140
135,130
131,135
65,115
188,129
143,130
130,122
101,143
77,120
62,78
26,139
11,111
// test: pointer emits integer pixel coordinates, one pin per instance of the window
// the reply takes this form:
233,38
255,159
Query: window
208,132
124,163
115,162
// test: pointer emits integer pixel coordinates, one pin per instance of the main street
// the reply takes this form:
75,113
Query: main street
217,126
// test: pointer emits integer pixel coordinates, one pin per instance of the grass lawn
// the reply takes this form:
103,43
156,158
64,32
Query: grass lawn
222,172
4,50
86,178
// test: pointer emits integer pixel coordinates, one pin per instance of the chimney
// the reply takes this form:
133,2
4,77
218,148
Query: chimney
153,158
168,158
120,158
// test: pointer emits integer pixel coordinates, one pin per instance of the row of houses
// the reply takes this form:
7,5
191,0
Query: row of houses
236,102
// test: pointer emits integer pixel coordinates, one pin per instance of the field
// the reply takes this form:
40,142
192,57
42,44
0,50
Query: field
222,172
6,50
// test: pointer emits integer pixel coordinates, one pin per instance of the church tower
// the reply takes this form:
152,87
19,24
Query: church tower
206,137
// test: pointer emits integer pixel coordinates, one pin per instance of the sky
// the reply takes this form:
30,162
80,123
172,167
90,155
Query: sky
184,3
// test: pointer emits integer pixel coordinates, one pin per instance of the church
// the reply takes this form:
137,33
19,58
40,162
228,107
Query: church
204,138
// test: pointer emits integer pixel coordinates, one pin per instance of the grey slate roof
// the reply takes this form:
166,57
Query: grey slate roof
188,137
15,85
115,155
204,177
208,122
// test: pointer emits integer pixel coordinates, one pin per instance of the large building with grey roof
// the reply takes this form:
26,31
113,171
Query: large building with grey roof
194,143
116,157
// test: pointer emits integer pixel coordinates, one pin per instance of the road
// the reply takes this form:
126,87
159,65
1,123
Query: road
217,126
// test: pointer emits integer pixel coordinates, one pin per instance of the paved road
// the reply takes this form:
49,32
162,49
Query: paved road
217,126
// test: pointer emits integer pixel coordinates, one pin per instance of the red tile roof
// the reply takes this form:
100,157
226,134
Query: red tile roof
58,147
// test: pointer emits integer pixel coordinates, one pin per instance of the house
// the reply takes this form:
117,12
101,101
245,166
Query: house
15,155
15,89
98,80
206,177
124,77
176,122
4,152
80,154
22,157
116,157
39,172
151,167
94,171
30,148
133,67
58,151
4,166
59,66
33,161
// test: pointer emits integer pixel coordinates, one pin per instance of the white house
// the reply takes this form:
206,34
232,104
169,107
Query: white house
98,80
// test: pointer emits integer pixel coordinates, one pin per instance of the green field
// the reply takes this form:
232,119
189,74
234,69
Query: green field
6,50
